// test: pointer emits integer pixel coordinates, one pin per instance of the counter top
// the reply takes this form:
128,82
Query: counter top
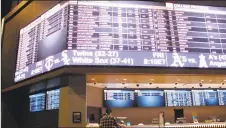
186,125
190,125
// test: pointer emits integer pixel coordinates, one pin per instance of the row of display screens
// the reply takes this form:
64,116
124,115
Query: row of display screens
50,98
160,98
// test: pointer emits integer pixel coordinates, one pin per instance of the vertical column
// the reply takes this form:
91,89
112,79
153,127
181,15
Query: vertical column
89,27
192,32
213,33
221,20
30,46
124,30
73,99
133,42
172,33
106,26
38,37
118,44
145,29
18,63
162,32
137,22
72,26
151,31
115,27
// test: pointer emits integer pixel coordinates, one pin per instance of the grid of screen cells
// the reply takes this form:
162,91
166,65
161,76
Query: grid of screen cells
53,98
118,95
37,102
222,97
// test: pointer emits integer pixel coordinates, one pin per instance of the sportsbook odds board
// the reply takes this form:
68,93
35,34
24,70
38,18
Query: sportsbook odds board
125,33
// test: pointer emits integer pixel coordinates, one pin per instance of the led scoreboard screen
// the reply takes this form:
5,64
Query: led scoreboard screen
125,98
123,33
53,99
222,97
37,102
118,98
204,97
150,98
178,98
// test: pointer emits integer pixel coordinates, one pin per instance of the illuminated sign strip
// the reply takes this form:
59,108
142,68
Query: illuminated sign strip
122,58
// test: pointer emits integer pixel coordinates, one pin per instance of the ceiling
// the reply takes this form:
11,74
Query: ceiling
156,80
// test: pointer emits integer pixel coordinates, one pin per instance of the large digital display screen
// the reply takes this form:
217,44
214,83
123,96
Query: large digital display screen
118,98
204,97
53,99
37,102
222,97
149,98
178,98
122,98
137,33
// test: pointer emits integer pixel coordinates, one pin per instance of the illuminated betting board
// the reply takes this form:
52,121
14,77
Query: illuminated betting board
53,99
119,98
135,33
150,98
222,97
37,102
122,98
204,97
178,98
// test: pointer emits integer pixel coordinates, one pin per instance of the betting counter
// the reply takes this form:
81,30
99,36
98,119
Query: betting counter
185,125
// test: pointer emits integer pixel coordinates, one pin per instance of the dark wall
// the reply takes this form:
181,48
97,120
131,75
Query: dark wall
7,119
15,108
6,6
11,37
16,112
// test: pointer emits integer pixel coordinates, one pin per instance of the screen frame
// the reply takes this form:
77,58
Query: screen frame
176,89
45,91
218,104
218,96
104,101
136,105
46,108
44,102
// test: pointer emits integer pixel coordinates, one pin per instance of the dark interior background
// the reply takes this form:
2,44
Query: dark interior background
16,112
10,37
15,104
6,6
24,17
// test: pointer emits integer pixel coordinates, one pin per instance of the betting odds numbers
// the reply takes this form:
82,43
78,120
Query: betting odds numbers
117,33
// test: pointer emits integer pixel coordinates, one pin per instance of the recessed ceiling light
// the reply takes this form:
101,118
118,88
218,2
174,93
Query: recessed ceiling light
92,78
